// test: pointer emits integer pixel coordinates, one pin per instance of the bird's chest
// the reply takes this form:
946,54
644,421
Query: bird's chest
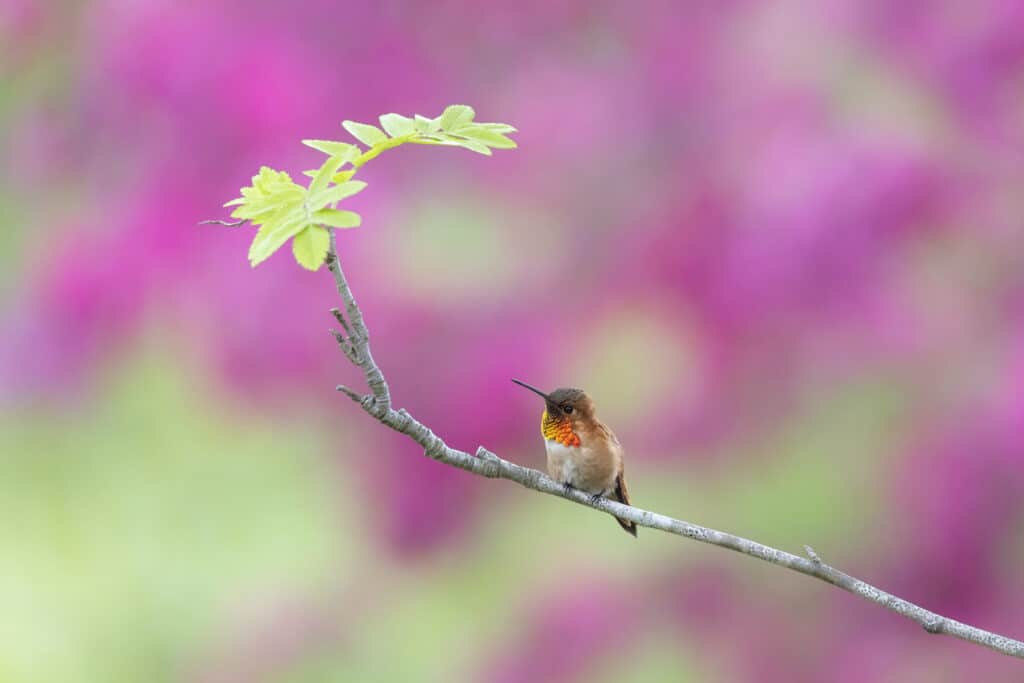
588,469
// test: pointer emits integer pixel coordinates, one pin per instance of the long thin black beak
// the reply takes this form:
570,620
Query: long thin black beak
533,389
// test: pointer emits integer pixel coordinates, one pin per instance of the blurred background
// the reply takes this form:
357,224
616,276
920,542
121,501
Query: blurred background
779,243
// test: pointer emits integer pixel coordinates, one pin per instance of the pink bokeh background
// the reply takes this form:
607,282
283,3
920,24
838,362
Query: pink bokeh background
720,216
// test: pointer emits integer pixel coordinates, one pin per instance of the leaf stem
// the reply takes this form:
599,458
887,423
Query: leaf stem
376,150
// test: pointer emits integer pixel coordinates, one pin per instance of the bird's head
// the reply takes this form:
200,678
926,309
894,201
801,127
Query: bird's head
566,412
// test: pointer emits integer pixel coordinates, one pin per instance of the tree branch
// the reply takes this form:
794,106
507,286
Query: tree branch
485,463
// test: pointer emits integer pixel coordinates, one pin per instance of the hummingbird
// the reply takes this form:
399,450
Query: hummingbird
583,453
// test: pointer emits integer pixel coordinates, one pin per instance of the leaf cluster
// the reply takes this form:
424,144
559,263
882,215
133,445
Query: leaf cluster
285,210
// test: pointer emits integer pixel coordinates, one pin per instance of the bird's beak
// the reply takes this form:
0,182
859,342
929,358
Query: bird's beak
533,389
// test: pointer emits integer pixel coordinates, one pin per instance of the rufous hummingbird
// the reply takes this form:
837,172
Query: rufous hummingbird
583,453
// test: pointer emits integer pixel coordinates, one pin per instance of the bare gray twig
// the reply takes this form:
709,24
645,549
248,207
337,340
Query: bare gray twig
358,335
487,464
230,224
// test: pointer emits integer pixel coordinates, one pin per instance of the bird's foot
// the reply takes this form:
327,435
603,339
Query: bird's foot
568,487
595,498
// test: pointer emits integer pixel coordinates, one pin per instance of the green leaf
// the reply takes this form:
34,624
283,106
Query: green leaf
425,125
265,184
397,125
454,141
335,193
365,133
270,198
332,147
338,218
265,207
475,146
323,176
339,177
310,247
272,235
456,115
486,136
264,212
460,130
343,176
497,127
268,182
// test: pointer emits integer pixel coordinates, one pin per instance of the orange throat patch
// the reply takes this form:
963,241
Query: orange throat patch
559,430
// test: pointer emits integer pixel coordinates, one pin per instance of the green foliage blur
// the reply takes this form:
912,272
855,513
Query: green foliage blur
142,527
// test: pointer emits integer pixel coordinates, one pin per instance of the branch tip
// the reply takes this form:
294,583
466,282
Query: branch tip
229,224
485,454
493,462
354,395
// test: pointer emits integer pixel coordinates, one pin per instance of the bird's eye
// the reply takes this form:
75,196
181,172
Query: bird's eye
567,409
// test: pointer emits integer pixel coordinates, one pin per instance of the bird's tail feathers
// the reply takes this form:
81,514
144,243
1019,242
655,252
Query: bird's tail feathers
622,495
